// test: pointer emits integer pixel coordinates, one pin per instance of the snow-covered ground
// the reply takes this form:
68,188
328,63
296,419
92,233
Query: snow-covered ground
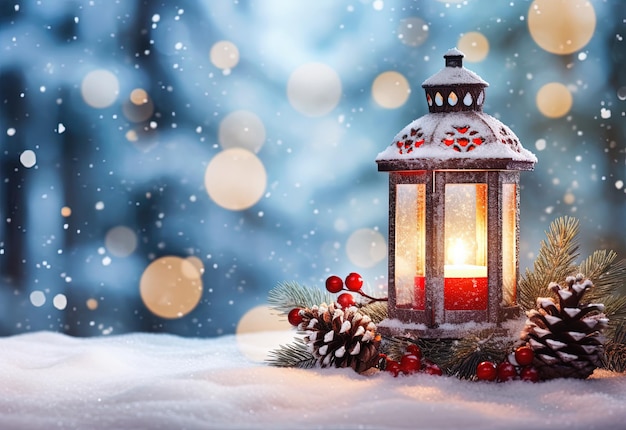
158,381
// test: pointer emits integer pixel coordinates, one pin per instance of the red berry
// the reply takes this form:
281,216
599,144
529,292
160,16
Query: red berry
524,355
529,373
486,371
345,300
294,317
334,284
433,369
410,363
506,371
393,367
354,282
414,349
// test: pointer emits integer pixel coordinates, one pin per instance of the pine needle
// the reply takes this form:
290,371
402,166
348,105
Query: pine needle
555,261
607,275
377,311
296,354
469,351
288,295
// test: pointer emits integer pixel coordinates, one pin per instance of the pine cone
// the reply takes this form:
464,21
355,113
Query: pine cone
340,337
566,338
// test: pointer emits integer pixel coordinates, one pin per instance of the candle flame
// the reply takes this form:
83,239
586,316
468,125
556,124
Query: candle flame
458,253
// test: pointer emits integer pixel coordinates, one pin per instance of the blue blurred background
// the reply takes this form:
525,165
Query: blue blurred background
236,141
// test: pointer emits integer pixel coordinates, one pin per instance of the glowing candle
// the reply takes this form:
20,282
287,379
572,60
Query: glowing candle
465,285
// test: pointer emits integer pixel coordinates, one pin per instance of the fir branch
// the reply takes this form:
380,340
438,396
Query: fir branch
469,351
615,351
608,276
377,311
555,261
296,354
288,295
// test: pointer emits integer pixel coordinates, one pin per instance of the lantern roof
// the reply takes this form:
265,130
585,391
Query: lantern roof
456,133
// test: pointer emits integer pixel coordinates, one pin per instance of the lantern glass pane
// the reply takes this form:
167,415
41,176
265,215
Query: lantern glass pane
410,246
465,247
509,243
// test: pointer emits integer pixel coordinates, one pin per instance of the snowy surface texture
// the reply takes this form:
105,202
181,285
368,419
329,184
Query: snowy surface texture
159,381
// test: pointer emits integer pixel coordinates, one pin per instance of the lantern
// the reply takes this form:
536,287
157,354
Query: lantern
453,210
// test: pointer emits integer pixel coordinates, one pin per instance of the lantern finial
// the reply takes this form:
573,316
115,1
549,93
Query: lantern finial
454,58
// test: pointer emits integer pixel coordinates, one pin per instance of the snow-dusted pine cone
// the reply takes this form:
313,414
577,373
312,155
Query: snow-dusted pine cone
566,338
340,337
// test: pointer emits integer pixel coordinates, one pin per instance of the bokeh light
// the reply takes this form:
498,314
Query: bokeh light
474,45
66,211
242,129
100,88
170,287
28,158
554,100
197,264
366,247
59,301
412,31
92,304
120,241
390,90
224,55
561,26
235,179
139,106
37,298
314,89
261,319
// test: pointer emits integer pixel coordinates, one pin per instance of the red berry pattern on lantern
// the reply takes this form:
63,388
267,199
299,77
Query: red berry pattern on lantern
334,284
345,300
411,362
354,282
486,371
294,317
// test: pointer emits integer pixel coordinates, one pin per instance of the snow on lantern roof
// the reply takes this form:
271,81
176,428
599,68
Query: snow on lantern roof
454,73
455,134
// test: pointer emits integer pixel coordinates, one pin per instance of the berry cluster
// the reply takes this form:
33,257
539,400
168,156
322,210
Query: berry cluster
353,283
334,284
517,366
410,362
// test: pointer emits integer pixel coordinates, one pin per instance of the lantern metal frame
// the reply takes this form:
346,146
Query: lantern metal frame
456,143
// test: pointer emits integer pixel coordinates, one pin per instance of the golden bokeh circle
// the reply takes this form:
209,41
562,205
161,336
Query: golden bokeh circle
257,320
170,287
561,26
224,55
66,211
474,45
138,109
197,264
235,179
554,100
92,304
390,89
366,247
